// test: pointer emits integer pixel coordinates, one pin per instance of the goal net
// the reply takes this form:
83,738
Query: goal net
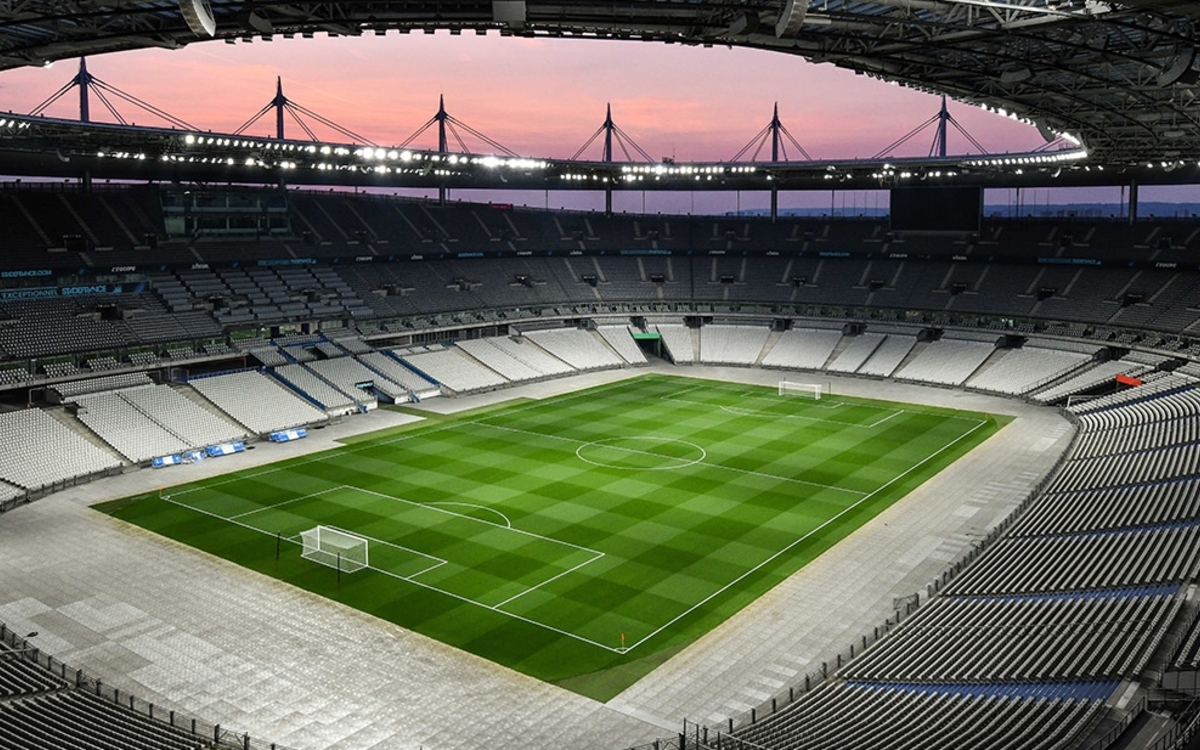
804,390
334,548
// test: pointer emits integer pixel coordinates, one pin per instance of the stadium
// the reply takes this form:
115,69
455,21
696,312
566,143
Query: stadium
287,461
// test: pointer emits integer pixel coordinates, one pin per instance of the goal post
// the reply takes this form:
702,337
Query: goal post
805,390
335,548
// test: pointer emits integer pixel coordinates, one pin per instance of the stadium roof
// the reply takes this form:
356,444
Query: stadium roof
1118,75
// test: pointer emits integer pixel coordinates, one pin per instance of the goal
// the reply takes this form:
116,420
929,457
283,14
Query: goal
806,390
334,548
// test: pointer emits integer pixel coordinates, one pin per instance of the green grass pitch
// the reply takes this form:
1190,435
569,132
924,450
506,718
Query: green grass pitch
581,539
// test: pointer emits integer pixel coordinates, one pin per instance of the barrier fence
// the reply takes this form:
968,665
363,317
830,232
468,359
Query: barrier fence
221,737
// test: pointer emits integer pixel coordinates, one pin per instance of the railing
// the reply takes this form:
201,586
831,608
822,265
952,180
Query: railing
77,680
1187,723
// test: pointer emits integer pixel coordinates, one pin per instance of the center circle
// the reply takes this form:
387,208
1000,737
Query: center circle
646,453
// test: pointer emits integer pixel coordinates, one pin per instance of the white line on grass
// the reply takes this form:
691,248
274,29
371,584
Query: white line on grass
548,580
280,504
412,578
426,430
890,416
608,443
473,518
420,431
828,521
702,462
507,522
513,615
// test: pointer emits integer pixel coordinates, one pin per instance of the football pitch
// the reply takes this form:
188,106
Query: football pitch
585,538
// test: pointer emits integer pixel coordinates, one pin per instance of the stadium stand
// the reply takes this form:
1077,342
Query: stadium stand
946,362
453,368
345,373
193,423
1087,379
804,349
731,345
314,388
391,369
953,639
1104,555
126,428
865,716
99,385
516,360
621,340
40,452
524,350
46,705
580,349
679,343
269,356
258,402
856,352
1023,370
888,355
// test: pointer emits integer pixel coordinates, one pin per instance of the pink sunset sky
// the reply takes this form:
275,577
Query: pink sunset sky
539,97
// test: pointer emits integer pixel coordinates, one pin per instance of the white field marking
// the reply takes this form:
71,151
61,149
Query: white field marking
828,521
881,421
438,561
474,519
743,412
280,504
507,523
412,580
703,462
422,431
596,555
548,580
353,448
606,444
513,615
295,538
738,411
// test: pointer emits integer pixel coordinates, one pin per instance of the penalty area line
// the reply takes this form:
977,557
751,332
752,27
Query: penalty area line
786,549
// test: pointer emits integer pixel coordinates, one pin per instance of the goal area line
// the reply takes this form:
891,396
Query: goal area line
669,615
295,539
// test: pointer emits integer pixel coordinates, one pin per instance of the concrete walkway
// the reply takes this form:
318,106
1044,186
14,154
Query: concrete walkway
192,632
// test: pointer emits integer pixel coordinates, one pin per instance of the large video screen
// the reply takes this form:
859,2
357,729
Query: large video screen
936,209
